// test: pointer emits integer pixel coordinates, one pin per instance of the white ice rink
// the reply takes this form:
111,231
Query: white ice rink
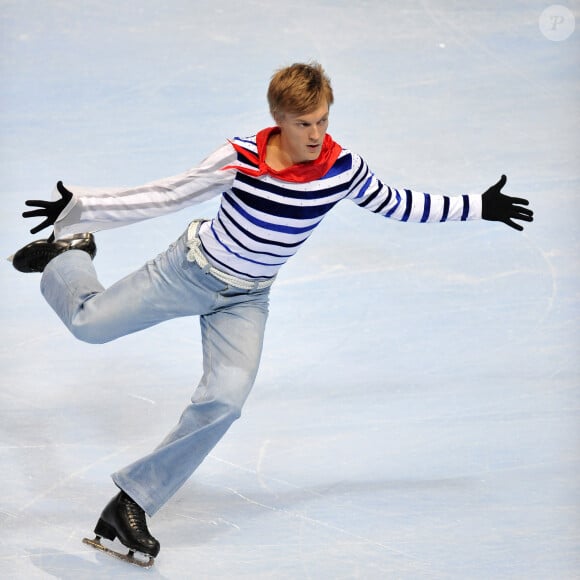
417,410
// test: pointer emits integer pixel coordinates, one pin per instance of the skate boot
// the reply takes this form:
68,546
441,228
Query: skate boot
35,256
124,519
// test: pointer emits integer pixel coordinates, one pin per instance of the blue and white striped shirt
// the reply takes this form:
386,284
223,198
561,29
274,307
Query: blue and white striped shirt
262,220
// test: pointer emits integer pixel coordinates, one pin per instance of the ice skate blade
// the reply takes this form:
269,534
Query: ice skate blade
129,557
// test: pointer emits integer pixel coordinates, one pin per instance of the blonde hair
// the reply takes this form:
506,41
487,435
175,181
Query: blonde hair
299,89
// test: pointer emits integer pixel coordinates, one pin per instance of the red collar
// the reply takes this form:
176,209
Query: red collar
299,173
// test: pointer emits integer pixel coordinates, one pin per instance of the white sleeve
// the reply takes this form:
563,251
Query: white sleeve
94,209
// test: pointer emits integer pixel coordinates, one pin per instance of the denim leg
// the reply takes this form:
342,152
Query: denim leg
167,287
232,325
232,345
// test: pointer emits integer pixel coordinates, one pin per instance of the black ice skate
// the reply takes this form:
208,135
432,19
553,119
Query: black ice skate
35,256
124,519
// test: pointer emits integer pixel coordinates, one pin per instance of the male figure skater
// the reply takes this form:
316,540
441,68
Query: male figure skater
275,188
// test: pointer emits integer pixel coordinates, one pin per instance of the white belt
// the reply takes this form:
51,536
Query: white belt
196,255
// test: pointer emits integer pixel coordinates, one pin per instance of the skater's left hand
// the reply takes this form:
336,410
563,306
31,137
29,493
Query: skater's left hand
502,208
50,210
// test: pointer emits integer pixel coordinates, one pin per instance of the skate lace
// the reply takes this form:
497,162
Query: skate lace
136,517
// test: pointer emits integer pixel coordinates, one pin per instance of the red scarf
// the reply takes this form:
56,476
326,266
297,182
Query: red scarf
299,173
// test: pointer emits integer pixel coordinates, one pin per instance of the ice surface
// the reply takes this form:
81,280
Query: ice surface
417,410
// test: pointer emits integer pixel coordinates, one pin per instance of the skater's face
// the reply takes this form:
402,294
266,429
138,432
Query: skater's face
301,136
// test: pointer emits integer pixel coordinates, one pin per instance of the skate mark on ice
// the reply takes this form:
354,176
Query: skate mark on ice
140,398
259,462
69,477
321,523
313,521
469,42
210,522
48,337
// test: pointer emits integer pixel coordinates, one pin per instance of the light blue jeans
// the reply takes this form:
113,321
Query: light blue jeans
232,327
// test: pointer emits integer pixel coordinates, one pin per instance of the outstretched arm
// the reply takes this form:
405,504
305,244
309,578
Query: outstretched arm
77,209
496,206
413,206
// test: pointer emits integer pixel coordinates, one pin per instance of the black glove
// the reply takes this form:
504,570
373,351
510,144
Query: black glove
498,207
50,209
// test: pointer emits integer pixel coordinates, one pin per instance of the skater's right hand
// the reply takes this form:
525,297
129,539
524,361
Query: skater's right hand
50,210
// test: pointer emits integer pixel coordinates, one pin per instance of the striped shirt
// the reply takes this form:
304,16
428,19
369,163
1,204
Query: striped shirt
262,220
